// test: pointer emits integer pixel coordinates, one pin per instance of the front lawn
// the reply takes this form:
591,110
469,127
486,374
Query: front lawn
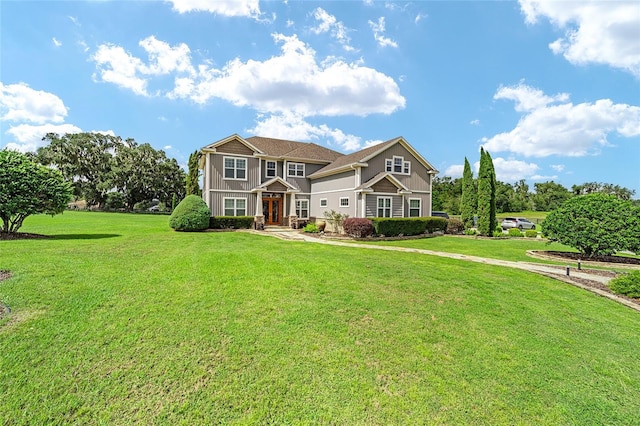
117,319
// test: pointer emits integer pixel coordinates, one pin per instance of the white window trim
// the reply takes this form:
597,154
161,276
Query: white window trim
299,208
235,168
390,164
235,205
419,200
343,205
384,208
296,169
323,202
275,168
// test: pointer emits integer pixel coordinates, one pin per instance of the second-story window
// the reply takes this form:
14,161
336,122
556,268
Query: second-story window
235,168
271,169
397,165
295,169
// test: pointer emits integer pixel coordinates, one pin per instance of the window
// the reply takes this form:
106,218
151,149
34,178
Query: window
323,202
384,206
344,201
235,168
271,169
415,207
295,169
302,209
235,207
397,165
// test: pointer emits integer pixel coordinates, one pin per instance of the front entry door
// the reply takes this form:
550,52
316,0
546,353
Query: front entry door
272,210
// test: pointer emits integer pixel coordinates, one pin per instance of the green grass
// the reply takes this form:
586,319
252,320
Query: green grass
513,249
119,320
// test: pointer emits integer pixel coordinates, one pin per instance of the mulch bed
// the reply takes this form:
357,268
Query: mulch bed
605,259
21,236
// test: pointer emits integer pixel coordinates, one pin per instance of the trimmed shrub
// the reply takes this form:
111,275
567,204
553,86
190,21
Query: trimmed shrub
470,232
311,228
531,233
435,224
191,214
357,227
627,284
514,232
231,222
454,226
393,227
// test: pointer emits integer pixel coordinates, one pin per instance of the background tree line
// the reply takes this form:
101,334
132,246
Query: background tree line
517,197
109,172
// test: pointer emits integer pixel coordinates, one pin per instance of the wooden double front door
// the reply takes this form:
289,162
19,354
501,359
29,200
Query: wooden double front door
272,211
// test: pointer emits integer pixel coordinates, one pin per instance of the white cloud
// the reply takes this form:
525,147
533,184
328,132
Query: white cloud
231,8
513,170
378,33
115,65
294,127
19,102
475,122
528,98
28,137
557,167
454,171
329,24
565,129
602,32
167,147
83,45
56,43
419,17
295,82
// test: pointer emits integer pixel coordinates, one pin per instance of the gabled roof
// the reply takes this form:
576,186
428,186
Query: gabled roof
235,136
286,149
263,187
359,158
368,185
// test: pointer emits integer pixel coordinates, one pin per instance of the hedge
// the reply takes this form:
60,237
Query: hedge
192,214
231,222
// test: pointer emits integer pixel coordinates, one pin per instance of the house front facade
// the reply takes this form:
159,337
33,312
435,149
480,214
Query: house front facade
282,182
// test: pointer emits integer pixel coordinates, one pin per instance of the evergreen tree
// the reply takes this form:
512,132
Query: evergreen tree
486,195
193,175
469,200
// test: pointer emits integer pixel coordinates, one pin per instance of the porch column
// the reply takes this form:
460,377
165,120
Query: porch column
364,204
258,219
293,219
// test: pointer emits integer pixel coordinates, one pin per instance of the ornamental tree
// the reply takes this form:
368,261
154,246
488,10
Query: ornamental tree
595,224
28,188
469,200
486,195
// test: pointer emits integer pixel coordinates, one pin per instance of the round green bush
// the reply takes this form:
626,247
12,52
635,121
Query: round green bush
627,284
191,214
531,233
515,232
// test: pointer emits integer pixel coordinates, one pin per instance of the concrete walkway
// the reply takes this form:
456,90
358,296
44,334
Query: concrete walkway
555,272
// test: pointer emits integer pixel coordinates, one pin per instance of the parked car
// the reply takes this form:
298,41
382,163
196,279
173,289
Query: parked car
155,208
517,222
440,214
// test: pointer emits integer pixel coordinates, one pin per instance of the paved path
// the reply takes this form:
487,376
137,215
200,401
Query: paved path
547,270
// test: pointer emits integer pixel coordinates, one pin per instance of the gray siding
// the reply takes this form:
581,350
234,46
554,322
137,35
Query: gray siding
217,181
418,180
265,178
303,183
372,205
216,202
345,180
424,207
333,203
384,185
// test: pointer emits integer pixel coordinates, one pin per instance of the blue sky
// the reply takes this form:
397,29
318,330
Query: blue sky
551,89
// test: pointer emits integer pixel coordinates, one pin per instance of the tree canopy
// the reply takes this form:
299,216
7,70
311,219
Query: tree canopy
595,224
28,188
98,165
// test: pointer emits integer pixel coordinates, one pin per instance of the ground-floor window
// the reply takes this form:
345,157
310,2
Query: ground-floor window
415,207
384,206
302,209
235,207
344,201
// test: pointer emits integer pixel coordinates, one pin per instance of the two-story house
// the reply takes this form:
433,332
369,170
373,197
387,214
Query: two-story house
282,182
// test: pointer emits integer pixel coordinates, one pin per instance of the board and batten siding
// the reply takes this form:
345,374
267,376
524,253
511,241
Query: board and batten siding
279,173
217,180
372,205
302,183
216,202
418,180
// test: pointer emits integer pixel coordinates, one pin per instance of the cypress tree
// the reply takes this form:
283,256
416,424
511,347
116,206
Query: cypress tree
492,200
484,196
192,185
469,199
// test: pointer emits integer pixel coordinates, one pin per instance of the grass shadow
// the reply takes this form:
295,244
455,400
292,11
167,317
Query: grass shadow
81,236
